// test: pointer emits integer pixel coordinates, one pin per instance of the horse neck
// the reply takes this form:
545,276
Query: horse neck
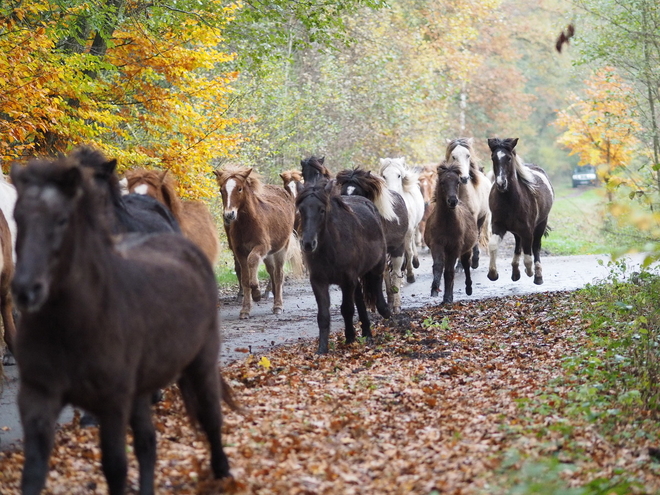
172,200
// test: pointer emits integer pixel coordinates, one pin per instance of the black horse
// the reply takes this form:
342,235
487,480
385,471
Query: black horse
343,244
394,214
520,202
313,169
104,325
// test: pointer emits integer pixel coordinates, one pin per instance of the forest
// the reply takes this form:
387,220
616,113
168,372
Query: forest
186,85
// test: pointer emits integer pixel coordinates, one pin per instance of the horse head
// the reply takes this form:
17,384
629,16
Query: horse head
236,185
460,151
314,203
292,181
393,170
313,169
49,195
504,161
449,181
145,182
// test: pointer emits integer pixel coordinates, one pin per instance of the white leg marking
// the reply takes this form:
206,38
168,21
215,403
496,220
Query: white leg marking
493,246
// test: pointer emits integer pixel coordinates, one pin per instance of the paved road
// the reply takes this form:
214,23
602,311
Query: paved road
298,321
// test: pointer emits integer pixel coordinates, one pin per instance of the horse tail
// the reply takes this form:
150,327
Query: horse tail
294,257
227,395
372,290
548,229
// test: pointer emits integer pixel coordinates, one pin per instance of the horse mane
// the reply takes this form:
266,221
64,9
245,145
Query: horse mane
325,191
375,188
316,164
161,181
409,178
47,171
252,178
292,175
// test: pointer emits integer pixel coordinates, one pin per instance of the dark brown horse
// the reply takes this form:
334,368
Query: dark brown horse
451,232
105,324
194,217
343,243
313,169
520,202
394,216
259,222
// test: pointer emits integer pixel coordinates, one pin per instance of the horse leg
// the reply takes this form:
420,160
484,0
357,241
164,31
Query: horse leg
438,267
493,247
322,295
275,267
373,291
113,423
450,263
527,258
237,269
413,247
515,268
200,388
410,278
395,275
475,249
245,284
144,442
39,412
254,258
465,262
539,231
363,314
6,309
348,290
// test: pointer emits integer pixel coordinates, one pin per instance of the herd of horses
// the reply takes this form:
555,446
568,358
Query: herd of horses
116,296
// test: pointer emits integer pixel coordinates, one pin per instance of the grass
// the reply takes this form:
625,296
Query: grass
577,219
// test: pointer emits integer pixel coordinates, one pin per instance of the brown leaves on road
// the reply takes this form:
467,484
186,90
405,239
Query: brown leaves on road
432,404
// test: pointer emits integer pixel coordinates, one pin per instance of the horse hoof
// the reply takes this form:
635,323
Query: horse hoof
434,293
396,310
410,279
415,262
538,280
243,315
256,295
468,291
87,420
8,359
493,276
474,265
277,311
515,276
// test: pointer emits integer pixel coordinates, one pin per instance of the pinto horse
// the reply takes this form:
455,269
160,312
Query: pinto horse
328,220
520,202
194,217
106,323
476,194
313,169
394,215
6,302
451,232
403,180
259,222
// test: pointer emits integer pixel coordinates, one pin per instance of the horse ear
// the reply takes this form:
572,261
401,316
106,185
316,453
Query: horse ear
247,173
492,143
322,160
513,142
161,175
448,141
470,141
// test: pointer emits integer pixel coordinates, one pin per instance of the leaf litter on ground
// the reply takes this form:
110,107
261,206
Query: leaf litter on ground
435,403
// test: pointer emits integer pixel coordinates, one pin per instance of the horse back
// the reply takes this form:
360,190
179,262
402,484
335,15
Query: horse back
270,220
395,231
454,231
198,224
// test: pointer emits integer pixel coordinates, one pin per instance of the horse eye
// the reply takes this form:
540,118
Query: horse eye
240,189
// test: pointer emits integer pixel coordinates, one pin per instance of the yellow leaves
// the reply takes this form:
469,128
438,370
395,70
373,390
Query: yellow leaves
265,362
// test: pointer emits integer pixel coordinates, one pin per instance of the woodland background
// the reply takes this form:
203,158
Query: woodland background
188,85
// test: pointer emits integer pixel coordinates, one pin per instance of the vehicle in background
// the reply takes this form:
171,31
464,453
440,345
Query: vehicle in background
585,176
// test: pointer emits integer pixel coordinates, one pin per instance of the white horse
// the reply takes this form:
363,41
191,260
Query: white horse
459,151
405,181
7,202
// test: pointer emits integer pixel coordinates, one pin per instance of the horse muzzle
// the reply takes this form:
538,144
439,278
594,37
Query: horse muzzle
29,296
502,185
310,245
452,202
465,179
230,216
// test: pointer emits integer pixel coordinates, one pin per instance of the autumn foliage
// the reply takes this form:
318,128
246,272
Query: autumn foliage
156,96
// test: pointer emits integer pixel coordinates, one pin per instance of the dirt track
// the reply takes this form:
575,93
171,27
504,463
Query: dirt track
298,321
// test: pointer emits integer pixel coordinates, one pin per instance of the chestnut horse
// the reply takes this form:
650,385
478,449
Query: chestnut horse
6,303
343,244
427,178
105,323
292,180
194,217
520,201
394,216
259,222
451,232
